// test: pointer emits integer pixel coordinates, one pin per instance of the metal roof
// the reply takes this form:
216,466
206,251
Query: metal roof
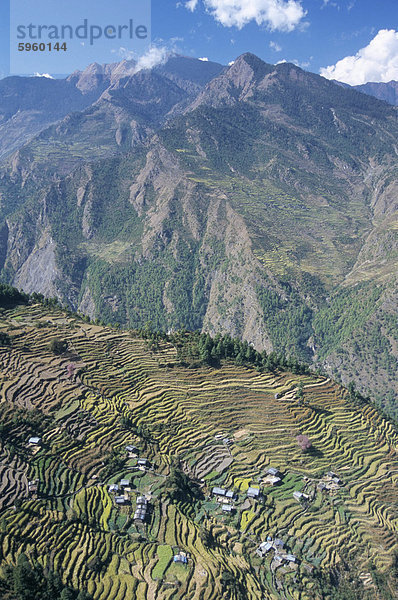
180,558
265,546
121,500
290,557
253,491
273,471
273,480
218,491
34,440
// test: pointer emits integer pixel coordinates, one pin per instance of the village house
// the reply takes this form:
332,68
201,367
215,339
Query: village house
181,557
278,544
331,482
300,497
228,441
113,488
124,483
270,480
33,486
141,509
34,441
290,558
273,472
278,559
216,491
253,492
122,500
143,463
264,548
280,556
140,515
132,450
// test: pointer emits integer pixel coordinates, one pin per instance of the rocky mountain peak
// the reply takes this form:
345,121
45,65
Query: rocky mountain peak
97,75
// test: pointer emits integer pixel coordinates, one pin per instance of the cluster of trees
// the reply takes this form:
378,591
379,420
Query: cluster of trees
10,296
29,581
289,323
31,420
5,339
179,487
194,348
343,582
113,462
58,346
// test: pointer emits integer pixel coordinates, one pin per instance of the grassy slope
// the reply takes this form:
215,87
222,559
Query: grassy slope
180,411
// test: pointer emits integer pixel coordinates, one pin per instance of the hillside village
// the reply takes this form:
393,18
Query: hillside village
185,481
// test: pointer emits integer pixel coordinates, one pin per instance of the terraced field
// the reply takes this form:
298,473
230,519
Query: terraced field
225,427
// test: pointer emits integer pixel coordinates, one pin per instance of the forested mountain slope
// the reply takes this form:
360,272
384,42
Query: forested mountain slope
262,204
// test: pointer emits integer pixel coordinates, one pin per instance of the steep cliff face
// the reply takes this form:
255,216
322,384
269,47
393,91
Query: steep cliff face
39,271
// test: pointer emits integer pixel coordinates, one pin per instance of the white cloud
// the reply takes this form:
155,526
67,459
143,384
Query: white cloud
204,59
378,61
154,57
294,61
329,3
282,15
275,46
232,62
46,75
191,4
124,53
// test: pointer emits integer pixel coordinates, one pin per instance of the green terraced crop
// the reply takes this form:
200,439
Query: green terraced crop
74,524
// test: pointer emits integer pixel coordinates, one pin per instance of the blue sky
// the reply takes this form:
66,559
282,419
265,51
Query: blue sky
313,33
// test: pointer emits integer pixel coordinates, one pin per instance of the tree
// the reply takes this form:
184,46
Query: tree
67,594
304,442
5,339
58,346
17,503
27,581
83,596
300,390
95,565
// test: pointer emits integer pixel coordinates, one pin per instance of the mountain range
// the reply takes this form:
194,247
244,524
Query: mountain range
382,91
256,200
